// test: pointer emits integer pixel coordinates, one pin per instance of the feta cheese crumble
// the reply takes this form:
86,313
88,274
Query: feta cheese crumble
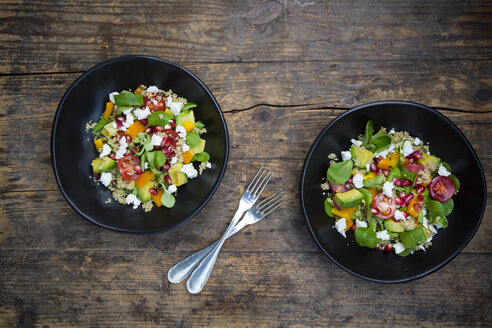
385,152
156,140
106,178
111,96
132,199
142,114
392,131
122,149
173,160
346,155
398,247
129,119
356,143
171,189
399,216
417,141
357,180
360,224
175,107
407,148
186,147
106,150
181,131
189,170
383,235
340,225
443,171
388,188
152,89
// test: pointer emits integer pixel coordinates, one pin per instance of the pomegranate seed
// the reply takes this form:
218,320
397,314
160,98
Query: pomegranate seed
120,119
406,183
377,247
172,154
144,121
399,201
402,195
373,167
112,156
128,138
417,155
164,141
114,183
421,190
349,180
157,147
97,176
388,248
119,125
408,198
158,128
398,183
167,178
374,211
378,159
153,191
149,130
138,169
386,173
405,214
394,180
166,167
353,227
172,123
169,142
416,207
420,198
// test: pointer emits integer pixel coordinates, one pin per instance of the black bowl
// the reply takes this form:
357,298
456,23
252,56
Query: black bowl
446,141
72,148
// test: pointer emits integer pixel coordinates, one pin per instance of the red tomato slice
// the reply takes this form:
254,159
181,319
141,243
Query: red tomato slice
384,206
154,105
414,167
129,167
442,188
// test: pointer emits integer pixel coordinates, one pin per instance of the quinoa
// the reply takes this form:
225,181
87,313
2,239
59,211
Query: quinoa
147,206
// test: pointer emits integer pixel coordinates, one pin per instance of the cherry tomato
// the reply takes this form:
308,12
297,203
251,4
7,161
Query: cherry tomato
154,107
342,187
442,188
384,206
414,167
129,167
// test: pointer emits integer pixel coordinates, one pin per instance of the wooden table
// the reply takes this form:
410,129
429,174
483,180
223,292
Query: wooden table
280,71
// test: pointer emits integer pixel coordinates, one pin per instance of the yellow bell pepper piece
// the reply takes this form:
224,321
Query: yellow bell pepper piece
99,144
157,198
189,126
109,110
138,91
389,161
144,178
135,129
188,156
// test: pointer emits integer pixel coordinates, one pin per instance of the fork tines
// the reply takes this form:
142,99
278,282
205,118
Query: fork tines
259,181
271,202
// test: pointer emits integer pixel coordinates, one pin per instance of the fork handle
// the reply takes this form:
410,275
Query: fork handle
182,269
200,276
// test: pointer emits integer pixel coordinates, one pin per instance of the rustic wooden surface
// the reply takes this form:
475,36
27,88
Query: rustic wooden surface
283,66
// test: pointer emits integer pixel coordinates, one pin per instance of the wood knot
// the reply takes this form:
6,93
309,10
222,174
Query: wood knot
264,115
482,92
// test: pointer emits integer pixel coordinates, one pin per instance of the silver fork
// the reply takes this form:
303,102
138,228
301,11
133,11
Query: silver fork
201,274
183,268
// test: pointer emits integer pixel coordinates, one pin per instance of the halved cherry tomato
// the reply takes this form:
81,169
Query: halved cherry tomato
442,188
159,105
129,167
384,206
414,167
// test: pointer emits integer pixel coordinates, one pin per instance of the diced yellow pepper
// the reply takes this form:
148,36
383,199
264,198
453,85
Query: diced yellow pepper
189,126
144,178
99,144
345,213
109,110
138,91
188,156
157,198
135,129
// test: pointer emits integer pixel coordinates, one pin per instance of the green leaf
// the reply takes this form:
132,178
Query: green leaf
148,146
120,109
366,237
374,182
448,207
406,252
394,173
184,112
193,139
442,222
413,237
159,159
126,98
328,207
435,209
201,157
199,125
167,199
446,166
373,223
189,105
405,174
367,200
456,182
380,141
159,118
151,158
339,173
368,134
99,126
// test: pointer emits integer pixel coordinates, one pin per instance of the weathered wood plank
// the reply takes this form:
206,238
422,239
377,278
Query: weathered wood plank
247,289
63,37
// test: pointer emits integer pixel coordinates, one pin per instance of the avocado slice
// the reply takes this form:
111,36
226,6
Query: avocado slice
109,130
103,164
143,192
198,148
432,162
188,117
393,226
348,199
178,178
361,156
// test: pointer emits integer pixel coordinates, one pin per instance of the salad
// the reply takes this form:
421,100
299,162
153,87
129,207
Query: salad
389,191
149,144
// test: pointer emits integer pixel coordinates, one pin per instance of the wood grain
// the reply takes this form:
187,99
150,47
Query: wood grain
64,38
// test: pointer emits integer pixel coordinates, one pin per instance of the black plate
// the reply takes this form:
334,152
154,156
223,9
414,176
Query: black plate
72,148
446,141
